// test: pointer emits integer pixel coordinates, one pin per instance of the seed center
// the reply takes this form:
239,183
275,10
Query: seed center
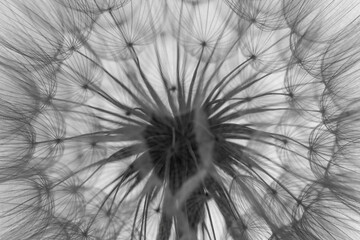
173,148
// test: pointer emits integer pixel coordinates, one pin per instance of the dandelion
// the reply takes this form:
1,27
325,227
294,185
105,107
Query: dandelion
179,119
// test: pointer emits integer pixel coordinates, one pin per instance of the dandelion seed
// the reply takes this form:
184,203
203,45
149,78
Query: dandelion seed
25,206
266,15
321,22
39,36
96,6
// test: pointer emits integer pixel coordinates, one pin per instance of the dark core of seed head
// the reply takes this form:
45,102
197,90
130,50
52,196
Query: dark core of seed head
173,148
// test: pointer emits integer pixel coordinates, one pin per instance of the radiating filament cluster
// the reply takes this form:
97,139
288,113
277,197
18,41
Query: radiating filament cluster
179,119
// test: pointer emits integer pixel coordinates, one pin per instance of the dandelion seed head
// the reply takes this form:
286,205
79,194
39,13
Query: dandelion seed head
183,119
